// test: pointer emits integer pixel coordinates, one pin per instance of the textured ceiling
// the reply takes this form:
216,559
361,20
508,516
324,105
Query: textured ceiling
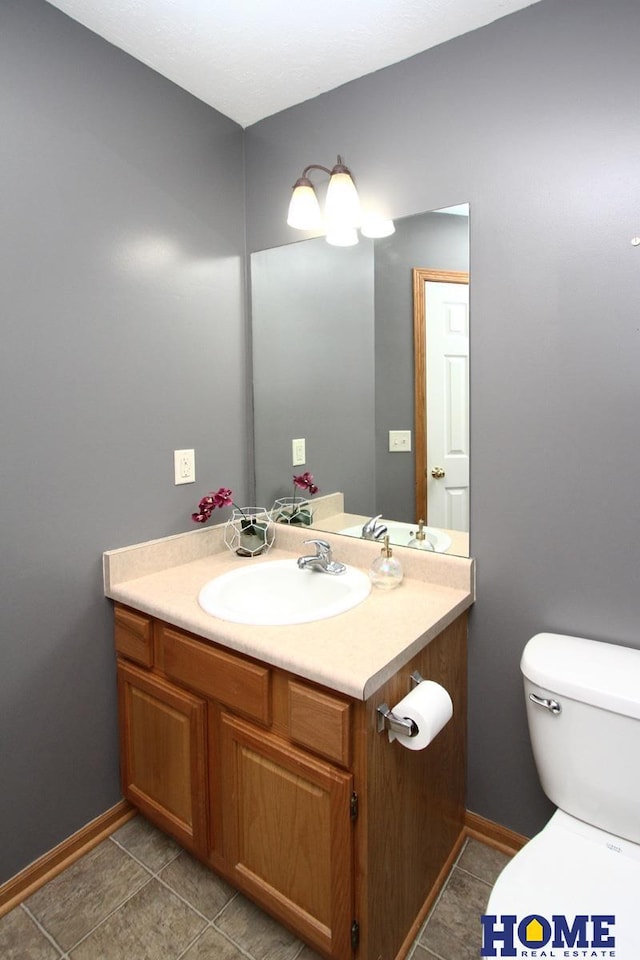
251,58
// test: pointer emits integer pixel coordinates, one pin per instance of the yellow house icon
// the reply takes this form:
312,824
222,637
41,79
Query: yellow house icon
534,931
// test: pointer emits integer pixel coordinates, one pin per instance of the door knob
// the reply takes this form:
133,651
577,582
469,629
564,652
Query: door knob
437,473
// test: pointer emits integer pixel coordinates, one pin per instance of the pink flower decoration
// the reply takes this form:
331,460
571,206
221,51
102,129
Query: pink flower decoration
221,498
305,482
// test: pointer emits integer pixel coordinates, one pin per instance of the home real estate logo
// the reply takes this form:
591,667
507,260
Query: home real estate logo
583,935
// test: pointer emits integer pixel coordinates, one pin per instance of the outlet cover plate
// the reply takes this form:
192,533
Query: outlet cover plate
184,466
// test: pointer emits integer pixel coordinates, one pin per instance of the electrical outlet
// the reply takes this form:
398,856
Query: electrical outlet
298,454
184,466
399,441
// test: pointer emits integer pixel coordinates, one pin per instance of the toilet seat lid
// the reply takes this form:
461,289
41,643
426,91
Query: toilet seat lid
572,869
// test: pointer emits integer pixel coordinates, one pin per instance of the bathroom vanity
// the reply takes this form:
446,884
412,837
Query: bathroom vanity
258,748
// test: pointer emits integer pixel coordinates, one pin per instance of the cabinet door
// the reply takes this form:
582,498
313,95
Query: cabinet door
162,749
288,833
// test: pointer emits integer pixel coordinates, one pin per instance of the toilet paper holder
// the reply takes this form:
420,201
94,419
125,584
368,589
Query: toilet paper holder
387,720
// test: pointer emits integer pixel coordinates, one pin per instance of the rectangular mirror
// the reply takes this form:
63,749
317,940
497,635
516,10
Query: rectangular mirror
352,345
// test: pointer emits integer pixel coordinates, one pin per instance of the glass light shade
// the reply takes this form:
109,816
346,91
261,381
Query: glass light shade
304,209
342,236
376,227
342,207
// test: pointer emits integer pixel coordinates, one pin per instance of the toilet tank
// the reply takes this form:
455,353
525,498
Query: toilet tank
588,753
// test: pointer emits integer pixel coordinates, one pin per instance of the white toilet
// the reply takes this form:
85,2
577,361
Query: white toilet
583,708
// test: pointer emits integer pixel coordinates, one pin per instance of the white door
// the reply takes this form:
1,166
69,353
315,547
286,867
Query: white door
447,415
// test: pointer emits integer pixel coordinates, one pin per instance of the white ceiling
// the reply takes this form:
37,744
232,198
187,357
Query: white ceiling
251,58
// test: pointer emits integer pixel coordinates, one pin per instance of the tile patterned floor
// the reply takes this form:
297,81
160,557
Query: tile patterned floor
139,896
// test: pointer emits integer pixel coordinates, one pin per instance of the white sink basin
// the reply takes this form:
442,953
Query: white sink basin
278,592
403,533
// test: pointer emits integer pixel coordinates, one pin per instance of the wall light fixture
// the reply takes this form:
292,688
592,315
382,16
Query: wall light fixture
342,214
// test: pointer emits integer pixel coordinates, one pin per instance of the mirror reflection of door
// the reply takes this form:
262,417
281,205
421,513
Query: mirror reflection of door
441,345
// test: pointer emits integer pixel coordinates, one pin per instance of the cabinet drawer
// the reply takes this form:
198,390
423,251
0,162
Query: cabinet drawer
320,722
134,636
238,684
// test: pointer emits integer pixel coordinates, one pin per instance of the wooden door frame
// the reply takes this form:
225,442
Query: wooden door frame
420,276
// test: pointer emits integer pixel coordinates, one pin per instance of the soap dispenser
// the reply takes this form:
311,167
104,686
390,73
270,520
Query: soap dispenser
420,541
386,571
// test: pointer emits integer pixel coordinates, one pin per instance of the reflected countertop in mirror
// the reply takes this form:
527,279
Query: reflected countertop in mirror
457,542
330,517
333,364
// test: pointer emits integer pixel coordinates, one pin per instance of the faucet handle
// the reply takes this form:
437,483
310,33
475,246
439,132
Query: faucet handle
323,549
372,530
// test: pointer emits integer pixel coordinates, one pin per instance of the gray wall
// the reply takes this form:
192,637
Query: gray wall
533,120
123,339
313,368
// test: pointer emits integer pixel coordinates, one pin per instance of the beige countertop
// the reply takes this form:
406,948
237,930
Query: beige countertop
353,653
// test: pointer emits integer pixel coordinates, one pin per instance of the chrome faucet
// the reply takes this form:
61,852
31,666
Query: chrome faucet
372,530
321,560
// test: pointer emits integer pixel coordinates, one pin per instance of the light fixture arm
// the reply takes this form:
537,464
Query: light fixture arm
338,167
314,166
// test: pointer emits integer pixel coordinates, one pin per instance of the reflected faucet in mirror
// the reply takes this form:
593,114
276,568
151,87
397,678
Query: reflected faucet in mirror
373,529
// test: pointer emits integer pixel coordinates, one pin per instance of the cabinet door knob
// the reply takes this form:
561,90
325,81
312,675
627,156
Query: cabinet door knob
437,473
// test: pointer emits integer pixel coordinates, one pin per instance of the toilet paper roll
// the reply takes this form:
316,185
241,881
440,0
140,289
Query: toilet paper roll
430,707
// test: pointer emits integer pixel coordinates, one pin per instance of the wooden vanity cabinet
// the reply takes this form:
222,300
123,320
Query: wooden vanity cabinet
163,754
288,833
288,790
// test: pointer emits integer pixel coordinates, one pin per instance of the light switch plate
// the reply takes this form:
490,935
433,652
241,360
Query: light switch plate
184,466
399,441
298,453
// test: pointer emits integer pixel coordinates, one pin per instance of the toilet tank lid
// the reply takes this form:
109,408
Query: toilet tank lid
602,674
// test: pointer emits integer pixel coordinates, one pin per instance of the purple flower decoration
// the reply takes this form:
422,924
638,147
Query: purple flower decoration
305,482
221,498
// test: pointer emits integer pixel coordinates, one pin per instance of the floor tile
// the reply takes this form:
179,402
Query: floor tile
20,939
453,929
148,844
254,931
421,953
197,884
212,945
71,904
153,925
482,861
308,954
